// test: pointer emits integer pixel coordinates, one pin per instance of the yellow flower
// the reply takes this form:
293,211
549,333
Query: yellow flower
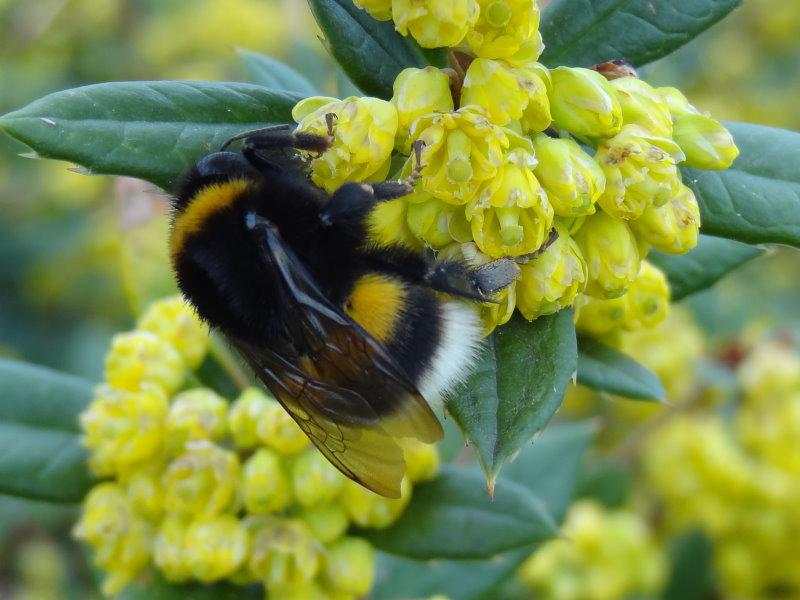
770,372
176,322
434,23
644,106
378,9
501,90
202,481
265,486
284,553
500,311
215,547
422,460
119,539
169,549
144,490
314,479
124,429
537,82
462,150
279,431
363,138
141,357
601,317
649,297
244,416
368,509
572,179
705,141
584,103
350,566
641,169
436,222
503,26
674,227
419,92
511,214
676,102
198,414
611,254
327,522
551,281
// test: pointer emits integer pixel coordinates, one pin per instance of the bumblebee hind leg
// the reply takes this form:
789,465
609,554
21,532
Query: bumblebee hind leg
261,147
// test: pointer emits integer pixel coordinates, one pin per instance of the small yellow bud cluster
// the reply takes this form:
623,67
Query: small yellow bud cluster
603,555
205,491
740,480
513,151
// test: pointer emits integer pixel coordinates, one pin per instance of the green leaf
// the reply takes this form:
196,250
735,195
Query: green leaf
606,480
155,588
276,75
453,517
704,265
371,52
692,575
463,579
550,468
153,130
608,370
517,386
40,452
582,33
757,200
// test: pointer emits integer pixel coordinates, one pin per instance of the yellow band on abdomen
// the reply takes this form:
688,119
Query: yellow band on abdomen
377,303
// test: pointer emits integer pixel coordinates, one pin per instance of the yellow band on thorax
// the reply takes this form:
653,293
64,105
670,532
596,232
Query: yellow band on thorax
206,202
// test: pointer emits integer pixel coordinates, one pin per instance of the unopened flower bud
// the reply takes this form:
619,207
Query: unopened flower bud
551,281
641,169
572,179
350,566
368,509
584,103
201,481
419,92
381,10
169,549
244,416
198,414
705,141
124,429
279,431
141,357
176,322
327,522
511,215
284,553
462,150
673,228
215,547
363,138
611,254
644,106
676,102
265,486
314,479
422,460
434,23
144,490
502,27
648,298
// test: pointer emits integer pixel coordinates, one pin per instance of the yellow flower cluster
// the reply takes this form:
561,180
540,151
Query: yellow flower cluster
603,555
513,151
205,491
740,480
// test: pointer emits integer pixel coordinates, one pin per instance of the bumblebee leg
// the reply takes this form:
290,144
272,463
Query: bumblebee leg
473,283
390,190
525,258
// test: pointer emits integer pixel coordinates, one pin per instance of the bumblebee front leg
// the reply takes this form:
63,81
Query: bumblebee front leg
390,190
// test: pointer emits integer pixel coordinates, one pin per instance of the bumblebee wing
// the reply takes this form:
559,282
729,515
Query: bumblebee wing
338,382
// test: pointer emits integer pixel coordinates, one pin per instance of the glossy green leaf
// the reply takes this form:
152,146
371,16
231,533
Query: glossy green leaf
40,452
276,75
607,480
692,568
608,370
586,32
551,466
516,388
153,587
453,517
371,52
704,265
402,578
153,130
758,199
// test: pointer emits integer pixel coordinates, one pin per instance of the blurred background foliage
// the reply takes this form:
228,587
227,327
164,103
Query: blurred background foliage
80,256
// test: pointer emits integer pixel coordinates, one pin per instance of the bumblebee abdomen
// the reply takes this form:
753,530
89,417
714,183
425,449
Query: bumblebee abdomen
434,340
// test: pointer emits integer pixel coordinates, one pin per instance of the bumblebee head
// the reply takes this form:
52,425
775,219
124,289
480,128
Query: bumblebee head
218,167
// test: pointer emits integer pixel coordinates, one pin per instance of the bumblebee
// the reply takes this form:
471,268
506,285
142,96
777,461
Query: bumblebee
350,335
